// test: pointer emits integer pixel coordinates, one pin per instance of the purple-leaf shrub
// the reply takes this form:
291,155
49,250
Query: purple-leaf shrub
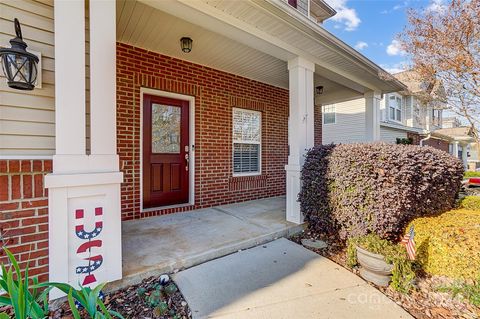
356,189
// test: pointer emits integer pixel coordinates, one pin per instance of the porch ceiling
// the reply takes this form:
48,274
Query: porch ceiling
273,27
141,25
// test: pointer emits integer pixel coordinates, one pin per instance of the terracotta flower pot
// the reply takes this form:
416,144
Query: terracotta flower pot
373,267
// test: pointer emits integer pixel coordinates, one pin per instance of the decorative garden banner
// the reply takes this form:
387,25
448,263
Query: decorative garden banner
91,249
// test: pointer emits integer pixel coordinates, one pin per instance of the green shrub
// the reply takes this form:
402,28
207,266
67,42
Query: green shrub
26,300
87,298
469,291
470,203
405,141
402,273
449,244
356,189
471,174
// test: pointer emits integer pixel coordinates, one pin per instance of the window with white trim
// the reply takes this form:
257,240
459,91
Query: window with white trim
329,116
395,108
247,140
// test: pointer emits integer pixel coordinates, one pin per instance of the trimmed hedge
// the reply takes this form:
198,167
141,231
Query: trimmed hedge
471,202
356,189
471,174
449,244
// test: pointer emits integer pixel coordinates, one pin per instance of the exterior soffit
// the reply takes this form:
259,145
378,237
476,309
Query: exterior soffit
221,21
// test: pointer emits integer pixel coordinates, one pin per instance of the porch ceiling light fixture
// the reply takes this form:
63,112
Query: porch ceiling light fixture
319,90
19,66
186,44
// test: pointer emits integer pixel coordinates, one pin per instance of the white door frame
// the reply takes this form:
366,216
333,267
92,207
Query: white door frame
191,145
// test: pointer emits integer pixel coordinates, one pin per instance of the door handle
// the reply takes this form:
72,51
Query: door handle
187,161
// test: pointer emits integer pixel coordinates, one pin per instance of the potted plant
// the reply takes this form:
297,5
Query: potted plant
381,262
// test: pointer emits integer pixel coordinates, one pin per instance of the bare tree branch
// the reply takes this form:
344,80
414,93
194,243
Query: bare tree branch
445,51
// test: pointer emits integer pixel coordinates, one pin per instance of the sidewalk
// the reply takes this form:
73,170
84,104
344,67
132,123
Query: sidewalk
281,280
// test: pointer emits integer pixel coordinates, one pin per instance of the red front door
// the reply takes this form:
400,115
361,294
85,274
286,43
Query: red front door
165,151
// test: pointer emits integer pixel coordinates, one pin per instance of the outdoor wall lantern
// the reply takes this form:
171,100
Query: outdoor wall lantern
186,44
19,66
319,90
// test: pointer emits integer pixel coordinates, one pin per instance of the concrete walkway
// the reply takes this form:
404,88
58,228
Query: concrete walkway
281,280
157,245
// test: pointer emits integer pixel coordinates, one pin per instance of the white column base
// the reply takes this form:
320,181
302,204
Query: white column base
80,204
294,213
76,164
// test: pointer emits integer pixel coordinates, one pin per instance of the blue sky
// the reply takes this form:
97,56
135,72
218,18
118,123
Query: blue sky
370,26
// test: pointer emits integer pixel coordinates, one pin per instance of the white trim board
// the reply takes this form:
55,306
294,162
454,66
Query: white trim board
26,157
191,141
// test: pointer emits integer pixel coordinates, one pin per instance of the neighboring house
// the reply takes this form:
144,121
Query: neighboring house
177,105
402,115
462,144
450,122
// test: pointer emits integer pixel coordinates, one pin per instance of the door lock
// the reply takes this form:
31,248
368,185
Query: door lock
187,161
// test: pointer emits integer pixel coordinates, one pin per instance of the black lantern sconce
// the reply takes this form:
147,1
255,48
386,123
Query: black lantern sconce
186,44
319,90
19,66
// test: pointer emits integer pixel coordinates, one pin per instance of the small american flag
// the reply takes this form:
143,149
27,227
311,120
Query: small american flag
409,243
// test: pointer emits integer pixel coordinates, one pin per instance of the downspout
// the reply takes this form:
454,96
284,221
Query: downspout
427,127
425,139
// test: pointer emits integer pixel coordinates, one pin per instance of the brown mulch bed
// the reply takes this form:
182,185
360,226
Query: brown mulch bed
136,302
422,303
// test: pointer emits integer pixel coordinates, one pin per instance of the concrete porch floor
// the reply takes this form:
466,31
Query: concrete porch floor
157,245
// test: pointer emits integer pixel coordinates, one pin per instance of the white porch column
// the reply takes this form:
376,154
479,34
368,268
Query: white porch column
102,78
300,129
465,156
455,149
372,115
84,190
70,81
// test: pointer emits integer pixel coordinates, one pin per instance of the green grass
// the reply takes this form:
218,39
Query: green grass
471,174
471,292
470,203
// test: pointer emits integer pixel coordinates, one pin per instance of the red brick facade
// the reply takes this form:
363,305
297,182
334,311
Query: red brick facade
433,142
24,213
216,93
438,144
415,138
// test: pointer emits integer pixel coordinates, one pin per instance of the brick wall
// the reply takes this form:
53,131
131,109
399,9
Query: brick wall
215,93
437,143
433,142
24,213
415,138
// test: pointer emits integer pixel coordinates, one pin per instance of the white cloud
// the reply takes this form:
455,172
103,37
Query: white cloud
395,48
394,68
403,5
361,45
345,15
436,6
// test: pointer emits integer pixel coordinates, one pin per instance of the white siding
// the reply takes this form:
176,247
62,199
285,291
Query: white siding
390,135
302,6
27,119
350,123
